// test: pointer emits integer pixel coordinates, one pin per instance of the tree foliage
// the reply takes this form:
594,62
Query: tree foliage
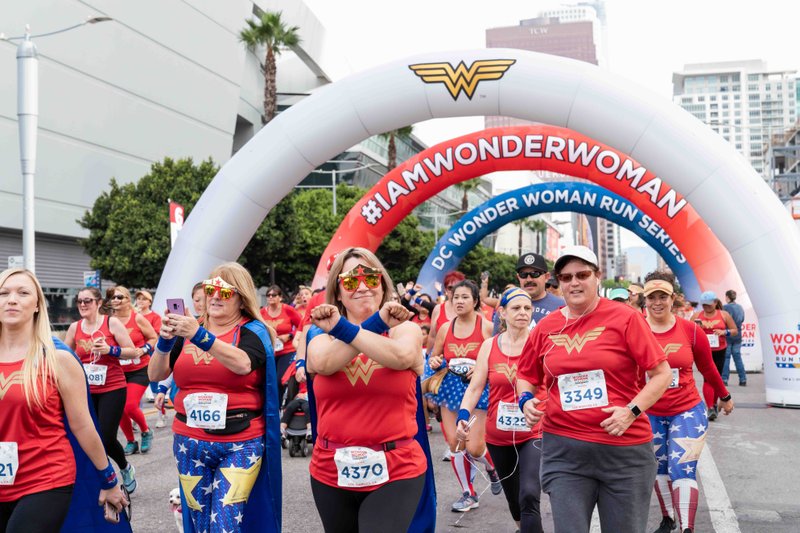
129,230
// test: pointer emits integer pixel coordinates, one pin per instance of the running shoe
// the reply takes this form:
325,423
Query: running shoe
131,448
688,530
497,487
446,455
712,414
128,478
465,503
743,384
162,421
667,525
147,440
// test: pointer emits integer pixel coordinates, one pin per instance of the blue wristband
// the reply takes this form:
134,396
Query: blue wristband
375,324
411,292
147,348
203,339
523,398
165,345
463,414
162,389
114,351
344,330
108,477
300,363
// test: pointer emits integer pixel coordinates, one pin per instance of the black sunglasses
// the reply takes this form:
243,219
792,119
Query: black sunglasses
534,275
272,294
118,297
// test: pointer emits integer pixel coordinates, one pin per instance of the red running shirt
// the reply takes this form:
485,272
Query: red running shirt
138,340
502,384
710,324
613,338
198,371
287,322
316,299
115,377
467,347
442,319
366,404
43,450
685,344
154,319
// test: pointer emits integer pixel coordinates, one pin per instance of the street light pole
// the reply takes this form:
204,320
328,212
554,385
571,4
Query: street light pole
333,186
28,120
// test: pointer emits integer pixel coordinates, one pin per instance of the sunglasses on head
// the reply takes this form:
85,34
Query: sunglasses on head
527,275
218,287
370,277
85,301
583,275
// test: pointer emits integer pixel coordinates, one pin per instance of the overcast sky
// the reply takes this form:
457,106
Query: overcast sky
647,40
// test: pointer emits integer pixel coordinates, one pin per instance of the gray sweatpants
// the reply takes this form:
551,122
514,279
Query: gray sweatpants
578,474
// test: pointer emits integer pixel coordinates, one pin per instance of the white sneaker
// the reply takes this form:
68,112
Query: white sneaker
162,420
447,456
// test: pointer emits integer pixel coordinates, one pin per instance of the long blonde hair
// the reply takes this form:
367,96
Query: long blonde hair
40,364
240,277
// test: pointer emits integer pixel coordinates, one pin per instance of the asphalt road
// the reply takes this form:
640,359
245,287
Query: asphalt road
755,451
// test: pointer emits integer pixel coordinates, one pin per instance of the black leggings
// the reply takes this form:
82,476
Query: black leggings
40,512
109,407
282,362
389,508
520,480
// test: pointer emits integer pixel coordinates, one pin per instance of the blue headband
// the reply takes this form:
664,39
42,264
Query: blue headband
512,293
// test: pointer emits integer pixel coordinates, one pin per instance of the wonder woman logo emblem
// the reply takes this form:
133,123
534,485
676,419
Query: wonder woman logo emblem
509,371
461,350
198,355
85,345
360,369
14,378
462,78
578,341
671,348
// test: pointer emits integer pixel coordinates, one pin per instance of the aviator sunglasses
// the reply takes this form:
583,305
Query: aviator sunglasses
527,275
218,287
583,275
371,277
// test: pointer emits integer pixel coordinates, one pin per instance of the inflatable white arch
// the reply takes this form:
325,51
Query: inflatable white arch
726,192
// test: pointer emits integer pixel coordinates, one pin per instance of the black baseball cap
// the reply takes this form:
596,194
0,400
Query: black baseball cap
532,260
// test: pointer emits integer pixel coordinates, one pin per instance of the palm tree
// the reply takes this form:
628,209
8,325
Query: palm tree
467,186
539,226
523,223
271,32
402,133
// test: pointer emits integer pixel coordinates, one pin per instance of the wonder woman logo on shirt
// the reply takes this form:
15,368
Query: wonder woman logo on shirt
578,341
671,348
509,371
359,369
199,355
461,350
14,378
708,324
85,345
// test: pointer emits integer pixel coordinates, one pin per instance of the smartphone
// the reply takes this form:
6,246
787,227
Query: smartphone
110,514
484,275
175,306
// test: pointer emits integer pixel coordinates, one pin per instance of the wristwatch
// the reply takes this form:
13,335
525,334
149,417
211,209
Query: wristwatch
634,409
726,398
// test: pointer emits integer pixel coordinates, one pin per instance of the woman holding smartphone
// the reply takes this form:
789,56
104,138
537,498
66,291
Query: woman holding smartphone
102,342
42,385
226,414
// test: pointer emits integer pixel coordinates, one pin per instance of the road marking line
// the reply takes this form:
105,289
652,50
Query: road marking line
723,518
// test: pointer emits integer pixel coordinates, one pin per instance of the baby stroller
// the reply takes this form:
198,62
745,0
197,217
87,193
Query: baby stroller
295,417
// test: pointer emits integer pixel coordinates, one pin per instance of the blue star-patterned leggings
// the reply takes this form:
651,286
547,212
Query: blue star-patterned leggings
216,479
678,441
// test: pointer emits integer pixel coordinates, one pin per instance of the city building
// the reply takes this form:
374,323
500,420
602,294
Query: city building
117,96
744,101
578,32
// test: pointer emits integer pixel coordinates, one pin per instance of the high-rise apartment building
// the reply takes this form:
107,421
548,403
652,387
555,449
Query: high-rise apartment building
578,32
744,101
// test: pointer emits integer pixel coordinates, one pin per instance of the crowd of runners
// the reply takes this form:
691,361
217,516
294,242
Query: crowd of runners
544,387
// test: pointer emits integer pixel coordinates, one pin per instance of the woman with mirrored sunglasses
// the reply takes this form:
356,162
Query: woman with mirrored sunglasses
226,426
102,342
285,321
364,356
144,338
43,388
596,446
678,419
456,348
513,445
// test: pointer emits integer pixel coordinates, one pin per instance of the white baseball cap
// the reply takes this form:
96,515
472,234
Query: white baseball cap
575,252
